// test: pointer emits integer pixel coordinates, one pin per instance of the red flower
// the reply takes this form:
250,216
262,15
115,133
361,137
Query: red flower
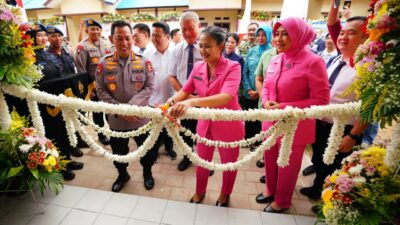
24,27
40,161
346,199
335,195
42,155
372,3
32,156
49,144
32,165
352,62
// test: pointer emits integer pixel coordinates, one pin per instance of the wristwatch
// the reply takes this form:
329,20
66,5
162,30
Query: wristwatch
357,138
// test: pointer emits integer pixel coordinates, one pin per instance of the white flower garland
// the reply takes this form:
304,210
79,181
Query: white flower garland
35,116
334,139
392,158
111,133
5,118
285,127
132,156
69,124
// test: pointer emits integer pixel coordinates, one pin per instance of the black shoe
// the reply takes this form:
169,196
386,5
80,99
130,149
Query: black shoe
220,204
260,163
269,209
184,164
311,193
82,144
211,173
76,152
74,165
264,199
201,199
68,174
103,139
262,179
308,170
315,209
120,182
171,154
148,182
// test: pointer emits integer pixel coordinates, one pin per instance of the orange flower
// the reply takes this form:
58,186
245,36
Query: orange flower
32,165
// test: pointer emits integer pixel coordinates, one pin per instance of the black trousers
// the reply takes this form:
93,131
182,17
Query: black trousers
191,125
98,117
323,130
165,139
251,127
120,146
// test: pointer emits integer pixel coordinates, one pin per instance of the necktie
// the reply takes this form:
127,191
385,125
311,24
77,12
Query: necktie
190,61
335,73
142,50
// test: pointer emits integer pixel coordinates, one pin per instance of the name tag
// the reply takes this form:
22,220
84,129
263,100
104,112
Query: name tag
197,78
138,71
138,77
111,72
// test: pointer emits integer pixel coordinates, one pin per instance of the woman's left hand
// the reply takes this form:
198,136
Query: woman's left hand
179,108
271,105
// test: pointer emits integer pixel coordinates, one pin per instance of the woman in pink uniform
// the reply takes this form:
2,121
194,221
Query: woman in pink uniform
296,78
216,80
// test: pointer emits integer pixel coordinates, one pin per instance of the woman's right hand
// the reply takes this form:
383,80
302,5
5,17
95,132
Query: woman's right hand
271,105
179,108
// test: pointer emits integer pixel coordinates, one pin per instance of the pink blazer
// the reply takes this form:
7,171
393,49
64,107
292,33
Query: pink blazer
302,82
228,76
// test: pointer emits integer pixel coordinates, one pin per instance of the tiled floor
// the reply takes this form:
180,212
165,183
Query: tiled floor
85,206
87,199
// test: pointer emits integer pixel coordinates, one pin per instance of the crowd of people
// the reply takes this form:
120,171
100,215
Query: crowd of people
277,67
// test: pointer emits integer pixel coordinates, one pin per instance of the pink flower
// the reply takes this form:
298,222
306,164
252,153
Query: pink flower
370,170
344,183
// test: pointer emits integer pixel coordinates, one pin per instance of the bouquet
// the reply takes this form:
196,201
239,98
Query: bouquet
26,159
17,56
170,16
377,64
142,17
364,191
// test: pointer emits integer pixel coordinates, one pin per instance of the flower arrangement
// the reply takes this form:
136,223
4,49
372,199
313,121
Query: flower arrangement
378,70
55,20
142,17
109,18
27,158
259,15
17,55
364,191
170,16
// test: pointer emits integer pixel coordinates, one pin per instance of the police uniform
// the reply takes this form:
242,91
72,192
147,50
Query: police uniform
127,81
88,55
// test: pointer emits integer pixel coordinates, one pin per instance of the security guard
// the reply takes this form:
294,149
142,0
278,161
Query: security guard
124,77
58,54
88,54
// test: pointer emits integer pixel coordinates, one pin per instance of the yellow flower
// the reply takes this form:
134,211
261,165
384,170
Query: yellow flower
365,192
383,10
333,178
17,121
50,161
327,206
327,195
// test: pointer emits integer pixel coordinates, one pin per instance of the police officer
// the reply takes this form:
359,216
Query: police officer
88,54
124,77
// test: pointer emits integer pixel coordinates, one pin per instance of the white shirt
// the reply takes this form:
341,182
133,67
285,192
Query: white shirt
179,62
326,55
148,50
162,87
343,81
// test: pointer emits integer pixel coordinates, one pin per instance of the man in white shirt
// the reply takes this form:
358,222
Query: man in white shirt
341,76
160,58
184,56
141,38
330,50
176,36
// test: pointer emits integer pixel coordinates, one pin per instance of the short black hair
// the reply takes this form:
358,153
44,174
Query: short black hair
164,26
234,36
142,27
253,23
119,23
355,18
174,31
216,33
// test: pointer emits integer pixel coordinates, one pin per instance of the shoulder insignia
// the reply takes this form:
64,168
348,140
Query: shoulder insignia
149,66
99,68
80,48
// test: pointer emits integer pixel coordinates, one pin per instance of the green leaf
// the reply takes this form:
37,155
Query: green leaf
35,173
14,171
